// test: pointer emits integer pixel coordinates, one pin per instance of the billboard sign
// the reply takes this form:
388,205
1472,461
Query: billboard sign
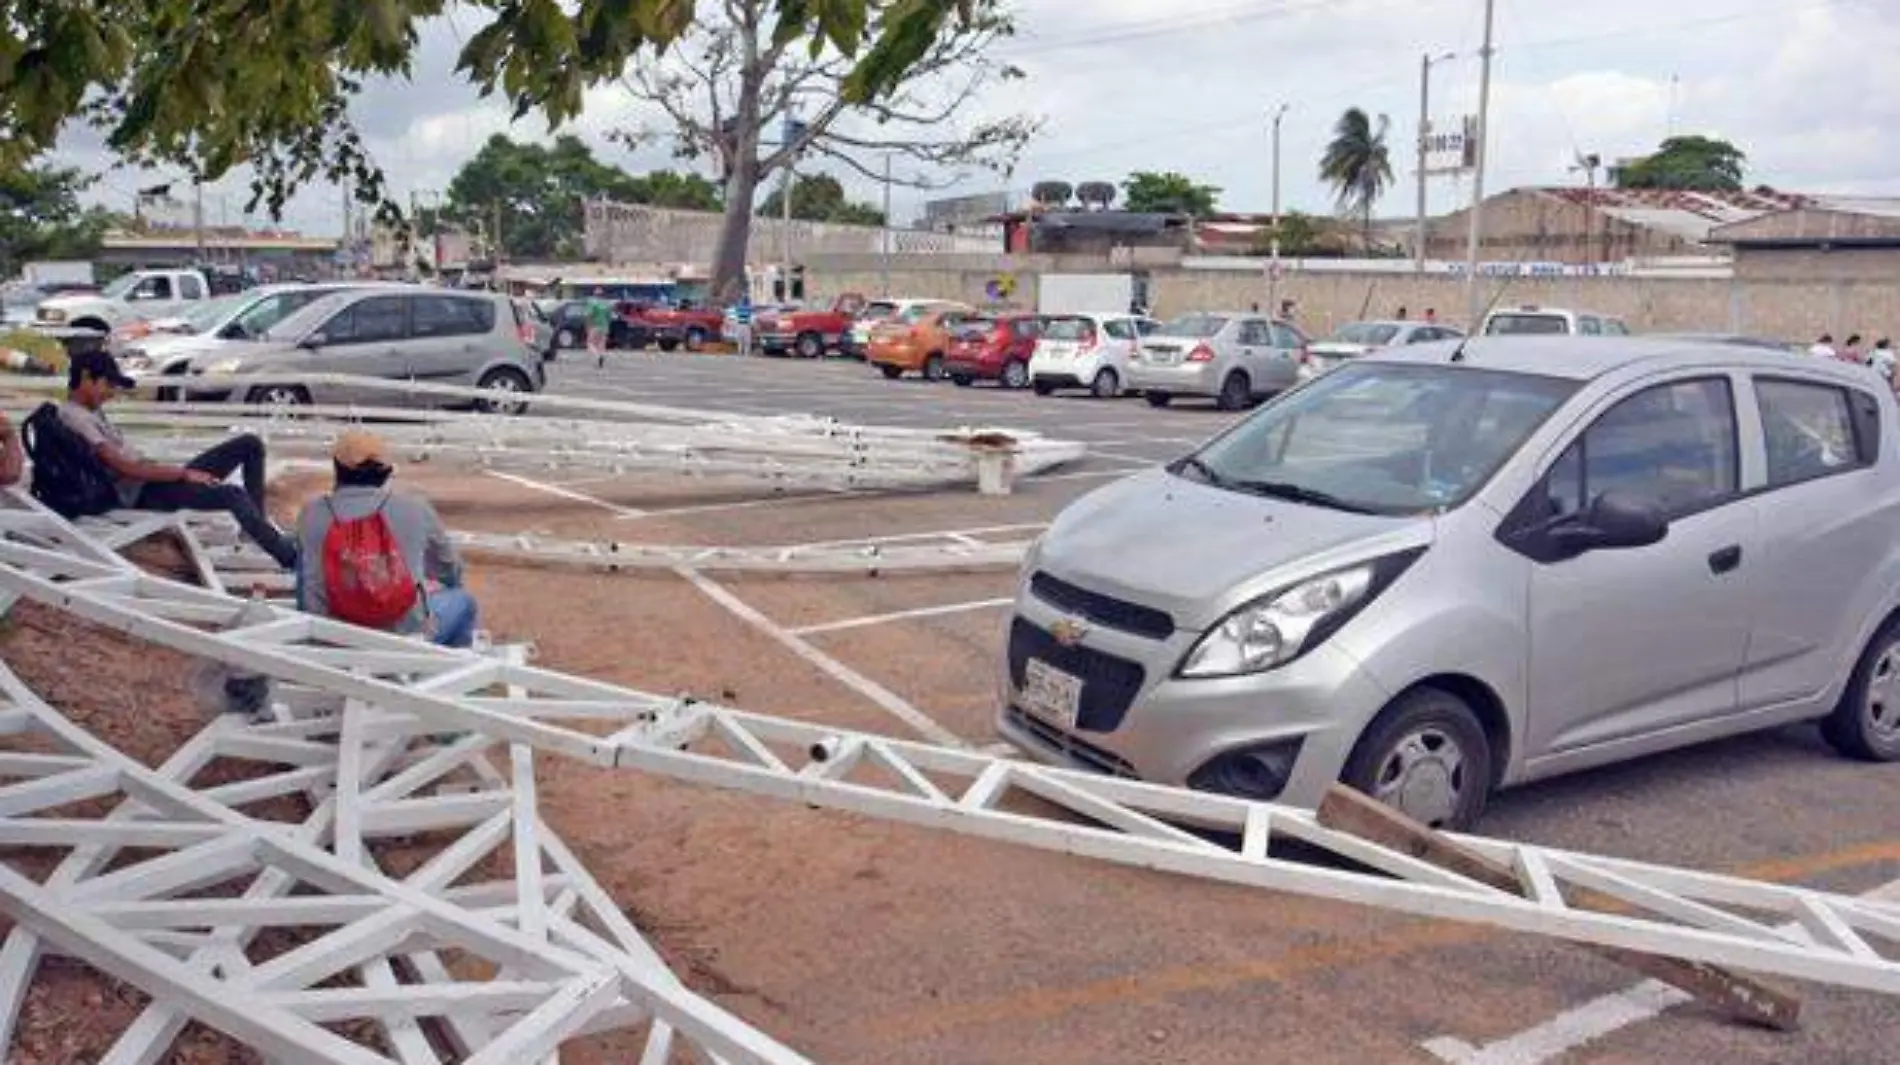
1452,147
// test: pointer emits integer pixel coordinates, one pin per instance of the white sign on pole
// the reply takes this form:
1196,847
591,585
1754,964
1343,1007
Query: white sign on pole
1452,147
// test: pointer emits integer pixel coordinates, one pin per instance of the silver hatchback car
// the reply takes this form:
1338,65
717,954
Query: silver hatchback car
409,333
1234,358
1437,572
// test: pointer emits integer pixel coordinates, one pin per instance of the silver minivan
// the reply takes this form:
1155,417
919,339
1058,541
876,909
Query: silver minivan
1234,358
413,333
1440,571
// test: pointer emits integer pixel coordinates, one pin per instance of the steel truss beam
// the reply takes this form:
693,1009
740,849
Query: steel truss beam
1672,912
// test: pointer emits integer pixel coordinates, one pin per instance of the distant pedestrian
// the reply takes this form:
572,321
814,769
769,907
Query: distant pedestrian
742,323
600,316
1286,310
1824,347
1850,352
1401,314
1431,316
1882,359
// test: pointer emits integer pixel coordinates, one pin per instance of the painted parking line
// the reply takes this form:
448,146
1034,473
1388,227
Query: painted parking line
901,615
885,699
568,494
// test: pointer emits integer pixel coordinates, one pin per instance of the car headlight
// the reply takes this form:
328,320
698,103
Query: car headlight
1277,628
134,359
52,314
225,366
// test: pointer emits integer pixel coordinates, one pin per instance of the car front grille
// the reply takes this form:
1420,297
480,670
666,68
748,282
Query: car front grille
1102,609
1109,684
1075,747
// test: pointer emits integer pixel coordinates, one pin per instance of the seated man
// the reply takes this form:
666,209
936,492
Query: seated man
365,552
197,485
12,454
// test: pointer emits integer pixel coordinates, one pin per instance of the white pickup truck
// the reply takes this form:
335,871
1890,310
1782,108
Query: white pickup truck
138,295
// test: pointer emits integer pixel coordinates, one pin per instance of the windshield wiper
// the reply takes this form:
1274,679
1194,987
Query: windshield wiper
1193,462
1300,494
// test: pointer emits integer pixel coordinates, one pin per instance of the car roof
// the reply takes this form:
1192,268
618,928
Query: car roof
1588,358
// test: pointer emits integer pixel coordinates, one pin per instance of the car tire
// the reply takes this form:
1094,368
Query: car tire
669,344
810,346
695,339
1427,756
1236,392
1015,374
1865,724
567,338
891,372
1158,399
933,367
962,380
1042,388
279,396
1106,385
504,379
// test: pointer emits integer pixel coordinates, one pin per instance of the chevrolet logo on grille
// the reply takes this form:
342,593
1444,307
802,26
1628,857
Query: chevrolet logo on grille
1069,631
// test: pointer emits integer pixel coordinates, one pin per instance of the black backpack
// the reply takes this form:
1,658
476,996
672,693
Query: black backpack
67,476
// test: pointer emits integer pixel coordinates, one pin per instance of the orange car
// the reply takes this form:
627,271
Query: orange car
915,340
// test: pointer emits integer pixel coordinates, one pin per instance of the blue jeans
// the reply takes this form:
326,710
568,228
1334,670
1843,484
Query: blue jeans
455,615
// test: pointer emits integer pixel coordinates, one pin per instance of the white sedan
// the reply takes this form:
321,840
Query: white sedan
1086,351
1363,338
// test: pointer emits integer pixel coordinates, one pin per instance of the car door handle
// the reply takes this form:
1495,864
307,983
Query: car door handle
1726,559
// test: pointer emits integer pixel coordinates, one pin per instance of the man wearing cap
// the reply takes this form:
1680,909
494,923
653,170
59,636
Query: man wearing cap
198,485
447,613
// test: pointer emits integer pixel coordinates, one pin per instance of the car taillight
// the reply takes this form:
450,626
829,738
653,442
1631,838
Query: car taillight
1201,353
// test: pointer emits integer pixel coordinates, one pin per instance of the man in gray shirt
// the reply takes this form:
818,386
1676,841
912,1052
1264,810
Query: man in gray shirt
447,612
200,484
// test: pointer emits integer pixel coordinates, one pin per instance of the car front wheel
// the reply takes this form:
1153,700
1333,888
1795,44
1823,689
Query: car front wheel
933,368
504,382
1158,399
1015,374
280,396
1427,756
1866,722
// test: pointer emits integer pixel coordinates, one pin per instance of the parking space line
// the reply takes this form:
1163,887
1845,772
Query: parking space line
888,701
900,615
1119,471
741,504
1142,460
567,493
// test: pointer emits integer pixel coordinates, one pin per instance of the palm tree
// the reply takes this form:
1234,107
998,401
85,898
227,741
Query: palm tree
1357,166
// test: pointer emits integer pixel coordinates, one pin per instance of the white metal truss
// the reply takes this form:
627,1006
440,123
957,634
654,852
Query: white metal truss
1695,916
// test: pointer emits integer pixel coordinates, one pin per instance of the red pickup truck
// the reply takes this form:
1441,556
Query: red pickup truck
811,332
674,327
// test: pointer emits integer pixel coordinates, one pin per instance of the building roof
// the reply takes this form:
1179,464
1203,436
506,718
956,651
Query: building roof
1683,214
1829,221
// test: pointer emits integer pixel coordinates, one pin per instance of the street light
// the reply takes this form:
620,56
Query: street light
1273,269
1424,131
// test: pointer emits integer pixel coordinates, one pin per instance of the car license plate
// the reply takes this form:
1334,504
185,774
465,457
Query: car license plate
1051,694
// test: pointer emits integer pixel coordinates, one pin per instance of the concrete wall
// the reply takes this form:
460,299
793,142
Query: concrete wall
632,233
1792,309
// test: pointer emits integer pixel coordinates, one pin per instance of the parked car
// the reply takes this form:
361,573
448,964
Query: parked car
808,332
226,323
915,340
993,347
1532,320
1087,351
1235,358
684,326
438,336
131,296
1354,339
876,313
19,304
1430,578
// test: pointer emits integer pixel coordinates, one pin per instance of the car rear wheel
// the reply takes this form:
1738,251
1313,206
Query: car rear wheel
1235,392
1158,399
1427,756
810,346
1866,722
933,368
1015,374
669,344
962,380
1107,385
279,396
504,381
1043,388
892,372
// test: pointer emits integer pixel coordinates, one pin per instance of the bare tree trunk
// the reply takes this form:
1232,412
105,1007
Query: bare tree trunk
735,231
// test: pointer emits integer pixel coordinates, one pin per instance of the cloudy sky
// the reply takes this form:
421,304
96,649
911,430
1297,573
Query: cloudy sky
1805,87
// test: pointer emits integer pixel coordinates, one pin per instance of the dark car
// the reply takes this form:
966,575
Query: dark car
993,347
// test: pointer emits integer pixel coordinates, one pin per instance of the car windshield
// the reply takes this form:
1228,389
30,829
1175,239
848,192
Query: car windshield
878,311
315,313
205,316
1526,325
21,296
1068,329
917,312
1371,334
1379,438
119,286
1192,325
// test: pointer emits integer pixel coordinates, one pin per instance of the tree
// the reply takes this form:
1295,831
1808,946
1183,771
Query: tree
40,217
1301,236
1693,162
747,89
820,198
1357,165
208,86
1148,191
536,193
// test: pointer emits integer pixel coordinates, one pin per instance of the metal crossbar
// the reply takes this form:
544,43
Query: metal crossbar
1672,912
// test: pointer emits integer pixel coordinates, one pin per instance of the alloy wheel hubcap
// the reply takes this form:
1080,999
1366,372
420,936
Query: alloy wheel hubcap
1423,776
1882,704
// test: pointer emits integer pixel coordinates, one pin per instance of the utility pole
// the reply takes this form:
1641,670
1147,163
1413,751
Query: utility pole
198,216
1473,305
494,245
785,236
1424,132
1273,265
884,244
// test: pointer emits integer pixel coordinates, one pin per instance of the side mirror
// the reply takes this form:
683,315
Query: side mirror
313,341
1613,521
234,331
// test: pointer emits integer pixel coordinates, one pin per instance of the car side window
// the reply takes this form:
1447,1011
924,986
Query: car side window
1589,326
1812,430
1146,326
1285,337
1615,327
375,319
1120,328
154,288
1671,446
191,288
1254,333
450,316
